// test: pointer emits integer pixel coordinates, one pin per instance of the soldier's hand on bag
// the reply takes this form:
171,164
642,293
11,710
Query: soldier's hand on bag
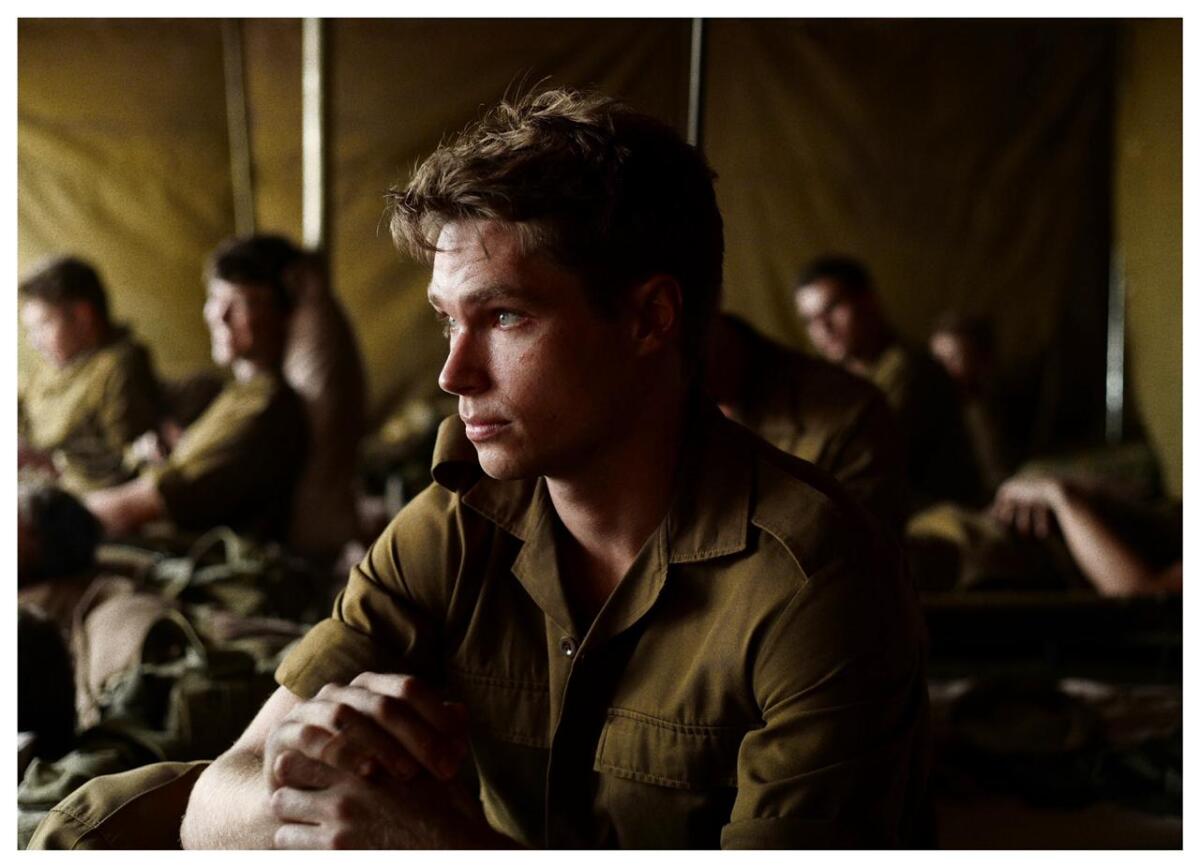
380,724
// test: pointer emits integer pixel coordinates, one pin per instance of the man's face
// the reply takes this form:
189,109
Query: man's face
58,332
833,319
541,376
243,320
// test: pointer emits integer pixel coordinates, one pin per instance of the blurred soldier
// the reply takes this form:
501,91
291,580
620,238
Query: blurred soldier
95,391
836,299
323,365
237,464
811,409
964,345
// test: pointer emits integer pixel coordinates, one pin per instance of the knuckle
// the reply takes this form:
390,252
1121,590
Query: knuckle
342,715
406,687
387,708
310,736
328,690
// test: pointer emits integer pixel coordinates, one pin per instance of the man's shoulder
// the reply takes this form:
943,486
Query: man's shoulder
123,353
801,507
822,384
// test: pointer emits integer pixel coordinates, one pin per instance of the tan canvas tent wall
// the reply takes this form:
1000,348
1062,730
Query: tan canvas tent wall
971,163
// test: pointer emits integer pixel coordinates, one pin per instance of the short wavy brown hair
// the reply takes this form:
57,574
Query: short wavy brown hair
602,190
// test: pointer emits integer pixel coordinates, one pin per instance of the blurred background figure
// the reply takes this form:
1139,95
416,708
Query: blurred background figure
238,463
95,391
965,346
323,365
837,302
812,409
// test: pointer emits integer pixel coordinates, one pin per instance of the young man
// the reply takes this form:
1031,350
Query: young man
648,627
837,301
236,464
95,391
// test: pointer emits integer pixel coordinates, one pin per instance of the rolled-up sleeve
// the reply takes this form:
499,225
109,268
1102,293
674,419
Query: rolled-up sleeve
389,616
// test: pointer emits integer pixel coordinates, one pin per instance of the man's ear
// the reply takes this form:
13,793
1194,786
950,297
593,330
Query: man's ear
657,305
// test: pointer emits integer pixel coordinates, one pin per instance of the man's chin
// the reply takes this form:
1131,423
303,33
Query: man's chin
498,464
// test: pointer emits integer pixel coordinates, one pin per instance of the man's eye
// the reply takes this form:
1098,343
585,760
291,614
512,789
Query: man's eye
508,318
449,325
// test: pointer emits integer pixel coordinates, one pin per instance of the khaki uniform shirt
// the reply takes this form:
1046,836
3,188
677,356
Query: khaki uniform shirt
816,411
941,463
237,464
755,680
86,413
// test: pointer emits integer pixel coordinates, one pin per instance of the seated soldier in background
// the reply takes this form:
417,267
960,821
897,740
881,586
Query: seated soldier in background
965,347
837,301
322,363
237,464
95,391
811,409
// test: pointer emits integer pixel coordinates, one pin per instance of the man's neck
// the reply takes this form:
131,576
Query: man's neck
609,509
865,360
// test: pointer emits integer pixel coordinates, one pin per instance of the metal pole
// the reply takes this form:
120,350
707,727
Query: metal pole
1114,382
313,83
696,85
241,168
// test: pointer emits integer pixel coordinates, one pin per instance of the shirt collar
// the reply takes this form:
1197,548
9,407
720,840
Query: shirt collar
709,514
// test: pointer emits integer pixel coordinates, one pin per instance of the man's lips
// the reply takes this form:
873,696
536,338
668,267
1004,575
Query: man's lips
480,429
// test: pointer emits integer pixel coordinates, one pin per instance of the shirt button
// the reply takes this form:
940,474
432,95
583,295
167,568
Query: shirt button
567,645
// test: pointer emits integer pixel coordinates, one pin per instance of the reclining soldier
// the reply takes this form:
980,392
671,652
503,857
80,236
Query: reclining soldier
646,626
237,464
95,391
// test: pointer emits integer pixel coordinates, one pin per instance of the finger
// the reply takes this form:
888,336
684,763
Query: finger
445,716
296,770
1041,521
344,737
297,836
1022,520
300,805
439,752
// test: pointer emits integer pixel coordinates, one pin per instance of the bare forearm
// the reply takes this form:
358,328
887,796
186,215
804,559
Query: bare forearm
230,807
1110,564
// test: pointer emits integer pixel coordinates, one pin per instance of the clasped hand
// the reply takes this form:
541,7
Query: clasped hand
368,765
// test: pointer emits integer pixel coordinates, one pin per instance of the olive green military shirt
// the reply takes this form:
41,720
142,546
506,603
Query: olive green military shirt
940,459
85,413
819,412
755,680
237,464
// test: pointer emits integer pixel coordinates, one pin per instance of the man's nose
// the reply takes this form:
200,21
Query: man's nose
465,370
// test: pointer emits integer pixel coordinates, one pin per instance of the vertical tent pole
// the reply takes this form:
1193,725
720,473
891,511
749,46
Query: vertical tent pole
313,84
1114,382
696,85
241,168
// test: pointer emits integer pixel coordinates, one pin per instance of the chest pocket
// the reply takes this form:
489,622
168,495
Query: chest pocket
510,710
635,746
